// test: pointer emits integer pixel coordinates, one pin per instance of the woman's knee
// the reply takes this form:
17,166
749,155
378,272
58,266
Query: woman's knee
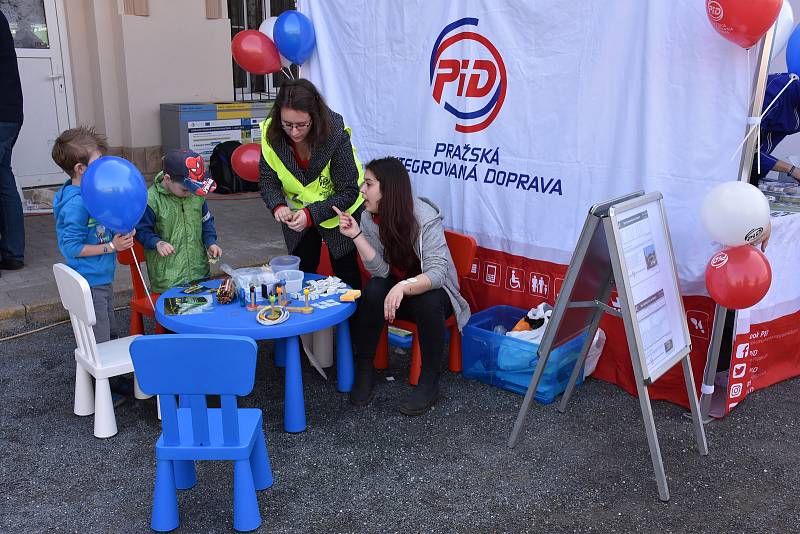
434,302
376,290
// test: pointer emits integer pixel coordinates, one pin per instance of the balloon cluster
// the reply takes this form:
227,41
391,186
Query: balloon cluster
736,214
278,42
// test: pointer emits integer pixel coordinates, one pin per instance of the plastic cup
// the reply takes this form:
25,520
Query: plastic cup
284,263
294,280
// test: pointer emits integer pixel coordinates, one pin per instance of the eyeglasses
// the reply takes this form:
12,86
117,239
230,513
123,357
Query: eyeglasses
300,126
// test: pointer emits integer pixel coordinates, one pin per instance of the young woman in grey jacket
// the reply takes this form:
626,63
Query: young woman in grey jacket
401,242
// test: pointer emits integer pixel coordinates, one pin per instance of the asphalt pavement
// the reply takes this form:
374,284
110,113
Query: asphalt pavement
375,470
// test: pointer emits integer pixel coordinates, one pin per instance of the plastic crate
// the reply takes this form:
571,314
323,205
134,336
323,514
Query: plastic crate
481,347
400,340
404,341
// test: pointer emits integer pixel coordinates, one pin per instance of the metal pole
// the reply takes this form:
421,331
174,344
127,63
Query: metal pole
707,389
759,88
745,166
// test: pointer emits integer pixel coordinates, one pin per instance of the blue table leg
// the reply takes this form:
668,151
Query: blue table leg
344,358
280,353
294,410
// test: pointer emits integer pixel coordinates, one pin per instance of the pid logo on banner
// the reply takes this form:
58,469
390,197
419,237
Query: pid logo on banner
477,82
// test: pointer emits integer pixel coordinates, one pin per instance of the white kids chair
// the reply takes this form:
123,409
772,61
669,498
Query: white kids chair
99,360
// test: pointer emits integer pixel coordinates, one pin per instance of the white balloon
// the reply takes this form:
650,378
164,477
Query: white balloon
735,213
267,28
784,25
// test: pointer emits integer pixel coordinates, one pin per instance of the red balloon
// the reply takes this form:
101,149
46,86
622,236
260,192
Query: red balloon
743,22
245,160
738,277
255,52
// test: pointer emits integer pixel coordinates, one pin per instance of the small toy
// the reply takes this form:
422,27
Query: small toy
304,309
350,296
252,306
242,299
280,291
225,293
269,316
274,314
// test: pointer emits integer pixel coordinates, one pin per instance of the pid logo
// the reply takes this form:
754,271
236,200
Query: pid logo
468,80
715,11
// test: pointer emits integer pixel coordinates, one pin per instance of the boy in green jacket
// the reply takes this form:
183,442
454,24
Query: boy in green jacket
177,230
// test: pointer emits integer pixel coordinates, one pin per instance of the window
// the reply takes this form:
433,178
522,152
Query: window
248,15
27,21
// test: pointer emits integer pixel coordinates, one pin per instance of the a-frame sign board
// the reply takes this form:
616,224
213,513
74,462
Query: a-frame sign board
625,244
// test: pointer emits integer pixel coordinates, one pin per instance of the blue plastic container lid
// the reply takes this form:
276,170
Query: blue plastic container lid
282,263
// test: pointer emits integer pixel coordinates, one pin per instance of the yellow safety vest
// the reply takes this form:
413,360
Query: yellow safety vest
300,196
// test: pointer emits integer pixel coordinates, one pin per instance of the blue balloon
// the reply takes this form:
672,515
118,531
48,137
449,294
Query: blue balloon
114,193
793,52
294,36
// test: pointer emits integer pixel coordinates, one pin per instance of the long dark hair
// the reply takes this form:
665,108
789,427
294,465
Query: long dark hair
303,96
398,229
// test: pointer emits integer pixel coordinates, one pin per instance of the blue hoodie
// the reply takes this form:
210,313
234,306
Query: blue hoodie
76,228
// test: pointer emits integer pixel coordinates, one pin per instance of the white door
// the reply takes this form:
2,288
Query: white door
36,27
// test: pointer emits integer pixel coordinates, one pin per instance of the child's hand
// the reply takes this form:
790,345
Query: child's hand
164,248
347,224
283,214
299,221
214,251
123,241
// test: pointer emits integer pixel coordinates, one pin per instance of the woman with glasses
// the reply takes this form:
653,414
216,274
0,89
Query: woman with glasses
308,165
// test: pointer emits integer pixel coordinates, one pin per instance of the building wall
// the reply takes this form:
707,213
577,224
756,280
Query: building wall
125,66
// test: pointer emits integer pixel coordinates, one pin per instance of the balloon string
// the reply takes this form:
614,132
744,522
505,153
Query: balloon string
146,290
756,121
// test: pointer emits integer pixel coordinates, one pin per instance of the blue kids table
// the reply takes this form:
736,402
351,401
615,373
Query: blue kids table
233,319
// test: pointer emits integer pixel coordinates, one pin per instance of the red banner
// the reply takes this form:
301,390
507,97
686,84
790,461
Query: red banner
769,353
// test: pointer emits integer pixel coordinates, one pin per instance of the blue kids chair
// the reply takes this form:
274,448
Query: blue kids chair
193,366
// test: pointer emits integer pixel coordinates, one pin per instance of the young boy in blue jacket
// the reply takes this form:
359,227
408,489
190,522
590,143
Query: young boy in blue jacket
87,246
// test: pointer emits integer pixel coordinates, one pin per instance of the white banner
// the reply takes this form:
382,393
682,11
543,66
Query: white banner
516,117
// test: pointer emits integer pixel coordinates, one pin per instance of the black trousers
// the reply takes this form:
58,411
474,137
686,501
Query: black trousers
429,310
308,250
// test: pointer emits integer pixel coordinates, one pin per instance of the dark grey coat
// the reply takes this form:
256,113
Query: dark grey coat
344,174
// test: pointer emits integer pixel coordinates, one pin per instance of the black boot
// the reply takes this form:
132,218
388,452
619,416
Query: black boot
424,395
364,384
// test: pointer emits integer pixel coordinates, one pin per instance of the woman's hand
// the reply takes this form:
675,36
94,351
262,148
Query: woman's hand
392,302
299,221
283,214
348,226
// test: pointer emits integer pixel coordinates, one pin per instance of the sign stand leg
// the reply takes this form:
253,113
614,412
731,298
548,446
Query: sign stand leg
526,403
699,431
652,441
593,325
578,369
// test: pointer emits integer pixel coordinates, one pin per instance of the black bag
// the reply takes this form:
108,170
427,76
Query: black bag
222,172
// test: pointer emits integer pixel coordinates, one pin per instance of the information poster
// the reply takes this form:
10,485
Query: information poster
643,241
205,135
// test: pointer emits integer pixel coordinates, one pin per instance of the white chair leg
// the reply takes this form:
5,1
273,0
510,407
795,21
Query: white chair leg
105,424
84,394
137,392
158,407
